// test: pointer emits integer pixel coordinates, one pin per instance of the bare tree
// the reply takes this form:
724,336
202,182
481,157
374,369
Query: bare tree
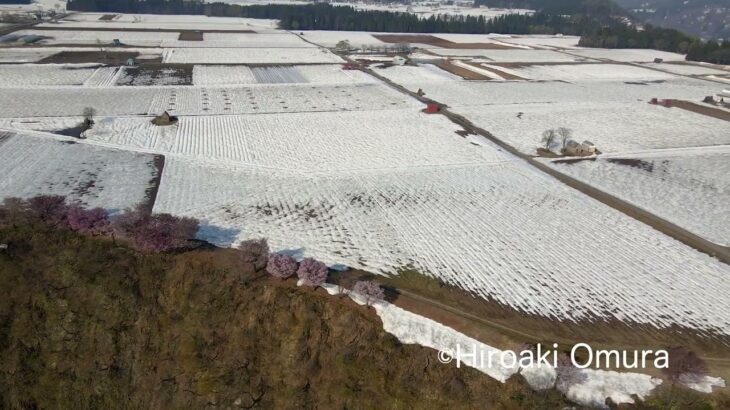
342,45
548,137
564,134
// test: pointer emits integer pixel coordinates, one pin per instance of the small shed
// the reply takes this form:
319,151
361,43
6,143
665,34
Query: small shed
164,120
658,60
588,147
432,108
116,42
399,60
572,148
3,246
131,62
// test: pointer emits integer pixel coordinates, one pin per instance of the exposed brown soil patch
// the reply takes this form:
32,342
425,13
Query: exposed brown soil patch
151,74
462,72
438,42
80,57
701,109
503,74
191,35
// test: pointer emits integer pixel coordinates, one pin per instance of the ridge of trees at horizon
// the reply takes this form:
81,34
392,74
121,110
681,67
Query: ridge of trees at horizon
595,29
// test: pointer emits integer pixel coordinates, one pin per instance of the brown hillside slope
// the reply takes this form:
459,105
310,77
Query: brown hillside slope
85,323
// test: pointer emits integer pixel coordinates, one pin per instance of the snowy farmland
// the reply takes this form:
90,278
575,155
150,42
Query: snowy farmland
33,75
33,165
250,56
692,183
498,230
275,139
625,127
163,22
588,72
516,55
207,75
309,142
259,98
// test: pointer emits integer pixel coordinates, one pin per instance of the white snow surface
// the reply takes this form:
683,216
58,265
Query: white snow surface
411,328
613,127
186,100
517,55
627,55
33,165
206,75
591,72
702,384
497,229
250,56
34,75
689,187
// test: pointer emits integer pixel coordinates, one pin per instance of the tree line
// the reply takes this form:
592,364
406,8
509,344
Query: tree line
15,1
594,20
657,38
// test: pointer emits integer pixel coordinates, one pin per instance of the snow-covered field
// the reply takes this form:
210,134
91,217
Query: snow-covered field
496,229
517,55
588,72
250,56
470,93
32,75
186,100
207,75
33,165
423,73
544,41
627,55
307,142
689,69
693,185
613,127
133,38
164,22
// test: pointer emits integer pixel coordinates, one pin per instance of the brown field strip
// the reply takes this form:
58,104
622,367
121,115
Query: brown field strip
438,42
702,109
462,72
503,74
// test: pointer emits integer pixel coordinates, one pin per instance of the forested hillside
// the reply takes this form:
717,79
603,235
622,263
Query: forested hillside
706,18
90,323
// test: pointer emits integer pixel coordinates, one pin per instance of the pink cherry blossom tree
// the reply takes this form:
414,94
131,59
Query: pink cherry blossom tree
370,290
93,221
312,272
281,266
